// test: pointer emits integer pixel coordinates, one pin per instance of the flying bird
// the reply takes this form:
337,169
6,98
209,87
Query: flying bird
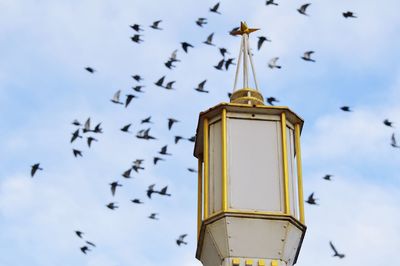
169,64
229,62
345,109
146,120
163,192
137,165
129,98
136,27
155,25
303,8
232,32
164,151
270,2
223,51
307,56
90,70
180,240
272,100
90,140
84,249
98,129
192,139
177,139
171,121
393,142
272,63
388,123
214,9
160,82
137,201
327,177
77,152
90,243
75,135
311,200
156,159
261,40
150,190
86,126
115,98
336,253
220,65
126,128
136,38
112,205
201,21
185,46
168,86
138,78
127,173
138,88
76,123
114,186
144,134
153,216
348,14
79,233
200,87
192,170
209,40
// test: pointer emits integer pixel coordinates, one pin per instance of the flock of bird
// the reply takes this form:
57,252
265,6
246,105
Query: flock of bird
85,130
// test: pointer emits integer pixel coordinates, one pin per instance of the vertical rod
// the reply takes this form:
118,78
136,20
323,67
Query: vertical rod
299,172
224,161
238,67
245,58
252,68
285,163
206,164
199,195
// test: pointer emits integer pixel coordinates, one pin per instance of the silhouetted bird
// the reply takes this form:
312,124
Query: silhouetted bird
393,142
270,2
214,9
164,151
388,123
136,27
75,135
307,56
137,165
114,186
112,205
127,173
129,98
229,62
272,100
349,14
303,8
156,159
150,190
146,120
144,134
160,82
98,129
201,21
220,65
85,249
138,78
233,31
79,233
155,25
86,126
192,139
90,140
223,51
77,152
168,86
169,64
311,200
200,87
345,108
115,98
126,128
137,201
177,139
90,243
192,170
171,121
90,70
136,38
185,46
153,216
261,40
163,192
209,40
336,253
272,63
138,88
180,240
76,123
327,177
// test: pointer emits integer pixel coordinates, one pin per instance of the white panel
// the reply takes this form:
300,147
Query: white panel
215,171
209,254
254,165
220,238
292,173
292,241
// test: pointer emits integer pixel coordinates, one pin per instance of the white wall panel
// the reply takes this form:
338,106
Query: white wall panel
215,171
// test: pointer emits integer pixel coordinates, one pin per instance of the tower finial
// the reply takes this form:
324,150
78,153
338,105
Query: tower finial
245,95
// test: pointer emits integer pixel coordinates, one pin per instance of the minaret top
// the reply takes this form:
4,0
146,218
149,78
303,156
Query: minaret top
245,95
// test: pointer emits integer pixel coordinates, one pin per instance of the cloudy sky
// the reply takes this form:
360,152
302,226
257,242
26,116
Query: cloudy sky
45,46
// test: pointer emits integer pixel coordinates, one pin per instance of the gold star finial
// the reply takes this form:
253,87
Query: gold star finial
244,29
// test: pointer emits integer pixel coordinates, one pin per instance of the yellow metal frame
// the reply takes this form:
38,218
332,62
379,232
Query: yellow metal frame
224,162
285,163
199,195
299,173
206,163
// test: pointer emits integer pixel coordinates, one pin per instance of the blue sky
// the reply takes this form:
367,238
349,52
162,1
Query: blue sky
45,46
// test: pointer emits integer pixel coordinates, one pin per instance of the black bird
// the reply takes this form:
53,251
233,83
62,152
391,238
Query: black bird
229,95
90,243
261,40
171,121
79,234
229,62
144,134
146,120
215,8
200,87
115,98
114,186
233,31
150,190
156,159
90,70
126,128
137,201
136,38
223,51
77,152
209,40
192,170
84,249
90,140
349,14
220,64
155,25
98,129
112,205
201,21
129,98
327,177
153,216
270,2
303,8
336,253
272,63
160,82
393,142
177,139
127,173
137,168
388,123
76,123
192,139
75,135
271,100
138,78
86,126
185,46
137,165
163,192
345,108
168,86
164,151
138,88
180,240
311,200
169,64
307,56
136,27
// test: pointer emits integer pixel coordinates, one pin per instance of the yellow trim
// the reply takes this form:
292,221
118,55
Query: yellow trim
299,172
285,163
274,263
206,163
249,262
261,263
224,162
199,195
235,262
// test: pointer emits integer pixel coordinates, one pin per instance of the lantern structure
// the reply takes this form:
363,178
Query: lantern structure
250,199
